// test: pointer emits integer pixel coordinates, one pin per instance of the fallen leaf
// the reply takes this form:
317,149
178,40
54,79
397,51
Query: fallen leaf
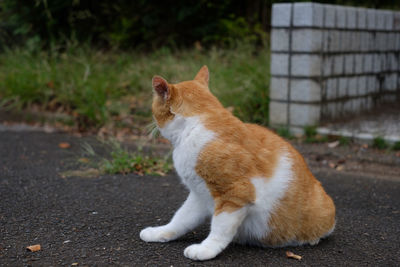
33,248
84,160
64,145
339,168
290,254
333,144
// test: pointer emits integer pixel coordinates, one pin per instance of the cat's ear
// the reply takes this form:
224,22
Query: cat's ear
161,87
203,75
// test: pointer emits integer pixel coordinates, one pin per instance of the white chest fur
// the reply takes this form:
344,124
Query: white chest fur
188,136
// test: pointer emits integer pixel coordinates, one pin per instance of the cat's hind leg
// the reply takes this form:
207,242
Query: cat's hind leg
192,213
224,227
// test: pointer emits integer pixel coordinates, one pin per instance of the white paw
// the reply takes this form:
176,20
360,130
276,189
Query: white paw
199,252
156,234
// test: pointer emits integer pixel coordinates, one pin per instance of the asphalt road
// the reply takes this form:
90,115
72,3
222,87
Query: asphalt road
96,221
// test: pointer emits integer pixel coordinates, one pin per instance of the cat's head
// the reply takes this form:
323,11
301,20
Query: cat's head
186,99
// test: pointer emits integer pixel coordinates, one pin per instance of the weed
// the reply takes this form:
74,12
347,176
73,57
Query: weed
396,146
379,143
123,161
344,141
312,136
284,132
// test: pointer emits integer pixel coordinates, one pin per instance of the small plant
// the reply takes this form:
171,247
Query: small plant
312,136
122,161
396,146
379,143
284,132
344,141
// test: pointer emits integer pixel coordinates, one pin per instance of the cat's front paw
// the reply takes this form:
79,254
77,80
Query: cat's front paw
199,252
157,234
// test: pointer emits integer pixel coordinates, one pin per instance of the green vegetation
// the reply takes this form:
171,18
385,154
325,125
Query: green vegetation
311,135
379,143
119,161
396,146
284,132
122,161
98,87
344,141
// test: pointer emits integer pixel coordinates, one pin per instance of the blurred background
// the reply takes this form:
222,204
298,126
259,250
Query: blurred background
87,65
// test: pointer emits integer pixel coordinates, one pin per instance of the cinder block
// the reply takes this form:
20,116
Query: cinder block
371,19
306,65
304,114
355,41
383,62
334,39
362,85
361,18
352,91
388,20
343,84
358,63
372,88
307,40
307,14
280,39
347,107
364,39
279,64
368,103
331,88
356,105
392,42
391,82
281,15
368,67
351,18
397,40
346,39
329,21
396,20
278,88
278,113
380,41
338,65
305,90
349,64
327,66
377,63
341,15
331,110
372,41
393,62
380,20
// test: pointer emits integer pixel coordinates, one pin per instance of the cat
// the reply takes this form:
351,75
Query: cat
255,187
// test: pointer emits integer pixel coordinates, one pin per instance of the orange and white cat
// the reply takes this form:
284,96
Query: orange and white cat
254,185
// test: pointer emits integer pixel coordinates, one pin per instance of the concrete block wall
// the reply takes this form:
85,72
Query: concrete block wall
330,61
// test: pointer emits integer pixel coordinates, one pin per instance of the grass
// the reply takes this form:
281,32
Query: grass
380,143
122,162
311,135
119,160
396,146
96,88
